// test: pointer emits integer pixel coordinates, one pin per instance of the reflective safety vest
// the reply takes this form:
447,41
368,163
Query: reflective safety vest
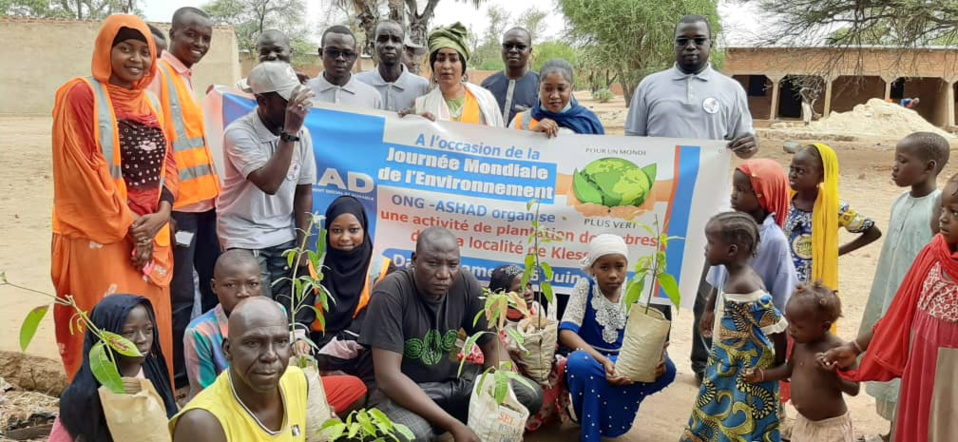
524,120
186,130
108,137
376,272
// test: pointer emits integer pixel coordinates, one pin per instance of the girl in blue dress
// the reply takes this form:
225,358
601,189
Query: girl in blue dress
593,326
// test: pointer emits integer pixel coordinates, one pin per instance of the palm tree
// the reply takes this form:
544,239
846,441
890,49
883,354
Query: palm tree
403,11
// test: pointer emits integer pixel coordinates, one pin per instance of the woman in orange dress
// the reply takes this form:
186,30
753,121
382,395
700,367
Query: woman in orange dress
114,184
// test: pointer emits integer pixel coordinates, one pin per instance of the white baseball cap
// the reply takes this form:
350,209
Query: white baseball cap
273,76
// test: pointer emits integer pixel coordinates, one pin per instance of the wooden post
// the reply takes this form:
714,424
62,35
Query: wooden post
776,88
828,97
950,96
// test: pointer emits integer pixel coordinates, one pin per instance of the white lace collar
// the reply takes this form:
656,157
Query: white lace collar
609,315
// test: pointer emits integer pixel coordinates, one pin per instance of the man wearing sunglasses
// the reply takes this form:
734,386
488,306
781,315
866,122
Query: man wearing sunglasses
693,101
336,83
517,87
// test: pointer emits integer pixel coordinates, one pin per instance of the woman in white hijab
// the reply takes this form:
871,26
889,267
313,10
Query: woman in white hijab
455,99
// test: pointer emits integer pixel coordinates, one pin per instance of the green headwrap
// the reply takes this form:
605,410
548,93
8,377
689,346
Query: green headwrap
453,36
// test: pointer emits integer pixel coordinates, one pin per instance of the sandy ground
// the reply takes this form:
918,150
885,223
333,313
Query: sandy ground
26,193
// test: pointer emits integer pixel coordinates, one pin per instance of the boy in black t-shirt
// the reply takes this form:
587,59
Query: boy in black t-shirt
412,323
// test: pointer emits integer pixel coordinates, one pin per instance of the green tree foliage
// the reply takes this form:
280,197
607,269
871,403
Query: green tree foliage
631,38
73,9
861,22
551,49
249,18
488,53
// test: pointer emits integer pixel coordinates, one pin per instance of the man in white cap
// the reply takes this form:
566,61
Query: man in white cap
270,170
412,56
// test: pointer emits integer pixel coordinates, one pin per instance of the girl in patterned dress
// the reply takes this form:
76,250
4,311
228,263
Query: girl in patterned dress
917,339
750,334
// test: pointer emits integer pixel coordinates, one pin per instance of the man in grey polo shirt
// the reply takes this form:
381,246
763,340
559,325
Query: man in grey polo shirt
267,194
691,100
398,88
336,83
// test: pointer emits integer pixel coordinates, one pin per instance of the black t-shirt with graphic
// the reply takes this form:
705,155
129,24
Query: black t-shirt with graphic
401,321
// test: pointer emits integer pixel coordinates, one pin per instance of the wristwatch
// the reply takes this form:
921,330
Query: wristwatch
286,136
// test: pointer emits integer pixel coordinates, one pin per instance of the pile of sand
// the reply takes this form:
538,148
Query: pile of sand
876,118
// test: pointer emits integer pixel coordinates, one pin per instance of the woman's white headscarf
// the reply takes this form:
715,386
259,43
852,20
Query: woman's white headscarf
604,245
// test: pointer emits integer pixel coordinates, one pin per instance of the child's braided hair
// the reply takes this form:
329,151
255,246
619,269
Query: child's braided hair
738,228
826,301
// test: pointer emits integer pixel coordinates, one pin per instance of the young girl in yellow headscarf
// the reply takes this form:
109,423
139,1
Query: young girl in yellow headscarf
816,214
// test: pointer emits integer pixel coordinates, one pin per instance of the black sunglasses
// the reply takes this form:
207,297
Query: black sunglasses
336,53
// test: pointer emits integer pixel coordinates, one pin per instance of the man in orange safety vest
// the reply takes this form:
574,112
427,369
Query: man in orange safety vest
194,211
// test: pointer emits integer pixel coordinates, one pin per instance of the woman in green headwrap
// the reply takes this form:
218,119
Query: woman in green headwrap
455,99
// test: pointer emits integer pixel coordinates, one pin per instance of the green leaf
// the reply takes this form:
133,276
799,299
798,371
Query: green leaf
103,368
530,203
584,190
336,431
321,246
314,261
634,291
290,257
482,379
478,317
353,430
366,424
330,423
547,270
670,287
320,317
547,291
405,431
381,417
120,344
518,378
527,273
650,172
30,324
502,387
467,348
520,340
530,261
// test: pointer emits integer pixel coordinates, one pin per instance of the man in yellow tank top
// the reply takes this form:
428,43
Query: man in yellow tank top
260,397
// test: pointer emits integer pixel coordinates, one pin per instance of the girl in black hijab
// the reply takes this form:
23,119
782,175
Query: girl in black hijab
349,272
132,317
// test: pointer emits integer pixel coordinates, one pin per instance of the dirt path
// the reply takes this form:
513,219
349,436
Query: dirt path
26,193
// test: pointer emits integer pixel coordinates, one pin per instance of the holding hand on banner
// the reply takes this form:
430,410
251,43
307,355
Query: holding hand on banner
426,114
548,127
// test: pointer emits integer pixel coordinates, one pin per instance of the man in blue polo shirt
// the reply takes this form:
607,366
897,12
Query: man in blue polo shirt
691,100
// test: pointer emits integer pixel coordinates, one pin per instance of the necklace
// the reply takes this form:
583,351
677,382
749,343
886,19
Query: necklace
282,428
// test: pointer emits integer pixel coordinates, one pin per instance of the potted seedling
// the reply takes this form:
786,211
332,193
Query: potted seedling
495,415
647,329
365,426
318,410
540,329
